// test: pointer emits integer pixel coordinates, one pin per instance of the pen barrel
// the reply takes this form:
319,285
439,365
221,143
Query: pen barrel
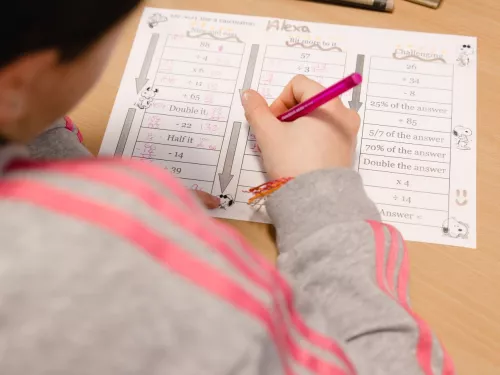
323,97
298,112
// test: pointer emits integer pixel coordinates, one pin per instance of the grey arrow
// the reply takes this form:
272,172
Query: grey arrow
355,103
252,63
127,125
225,177
142,80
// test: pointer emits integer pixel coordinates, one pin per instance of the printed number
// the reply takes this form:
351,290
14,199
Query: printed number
414,81
204,45
196,97
402,182
406,199
411,121
376,133
199,83
186,125
412,93
176,170
307,69
411,67
305,56
179,155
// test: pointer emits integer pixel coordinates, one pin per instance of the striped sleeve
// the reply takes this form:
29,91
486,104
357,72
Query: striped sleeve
62,140
351,274
392,278
135,206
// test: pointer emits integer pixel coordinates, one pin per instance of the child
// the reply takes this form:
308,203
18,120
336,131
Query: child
111,267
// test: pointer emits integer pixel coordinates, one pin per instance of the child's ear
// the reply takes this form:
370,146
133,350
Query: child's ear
16,81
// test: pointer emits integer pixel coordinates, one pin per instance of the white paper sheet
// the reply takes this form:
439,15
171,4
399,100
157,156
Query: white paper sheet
178,106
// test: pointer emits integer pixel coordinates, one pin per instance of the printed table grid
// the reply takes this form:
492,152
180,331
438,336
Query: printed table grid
189,116
404,144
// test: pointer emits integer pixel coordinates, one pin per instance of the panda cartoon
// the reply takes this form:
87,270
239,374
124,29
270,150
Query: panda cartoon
466,51
462,135
226,201
146,98
455,229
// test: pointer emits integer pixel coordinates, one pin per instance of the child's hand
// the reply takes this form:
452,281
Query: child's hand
324,139
209,201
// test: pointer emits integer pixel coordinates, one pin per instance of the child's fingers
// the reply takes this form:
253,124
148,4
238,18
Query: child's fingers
299,89
209,201
263,122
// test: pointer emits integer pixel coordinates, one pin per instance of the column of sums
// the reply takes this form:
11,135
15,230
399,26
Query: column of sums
184,128
280,65
406,140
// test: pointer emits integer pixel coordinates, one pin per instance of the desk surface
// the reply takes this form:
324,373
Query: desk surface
456,290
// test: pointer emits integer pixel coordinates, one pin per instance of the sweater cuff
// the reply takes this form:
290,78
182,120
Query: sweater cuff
320,198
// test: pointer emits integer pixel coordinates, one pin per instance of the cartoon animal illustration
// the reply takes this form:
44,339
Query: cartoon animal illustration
155,19
226,201
146,98
462,135
455,229
465,54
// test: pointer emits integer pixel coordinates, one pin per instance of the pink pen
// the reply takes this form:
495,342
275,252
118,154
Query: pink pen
323,97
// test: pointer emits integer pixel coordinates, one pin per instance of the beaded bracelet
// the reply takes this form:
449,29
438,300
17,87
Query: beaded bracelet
261,192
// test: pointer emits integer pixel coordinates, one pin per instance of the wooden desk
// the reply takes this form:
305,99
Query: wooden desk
456,290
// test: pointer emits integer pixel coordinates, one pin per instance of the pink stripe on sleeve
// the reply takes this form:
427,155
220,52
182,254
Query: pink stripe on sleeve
167,253
391,264
165,179
403,277
448,366
205,231
70,125
314,337
378,232
424,342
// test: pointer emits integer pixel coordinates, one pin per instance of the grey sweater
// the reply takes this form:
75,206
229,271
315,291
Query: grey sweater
110,267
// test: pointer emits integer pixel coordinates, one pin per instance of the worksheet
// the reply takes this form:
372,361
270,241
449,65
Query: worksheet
179,107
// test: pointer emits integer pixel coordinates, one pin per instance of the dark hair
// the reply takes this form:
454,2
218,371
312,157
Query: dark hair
69,26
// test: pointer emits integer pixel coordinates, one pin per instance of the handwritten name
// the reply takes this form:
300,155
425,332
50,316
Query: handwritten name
285,26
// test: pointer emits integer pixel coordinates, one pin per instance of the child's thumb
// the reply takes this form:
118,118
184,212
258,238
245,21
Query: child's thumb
258,114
